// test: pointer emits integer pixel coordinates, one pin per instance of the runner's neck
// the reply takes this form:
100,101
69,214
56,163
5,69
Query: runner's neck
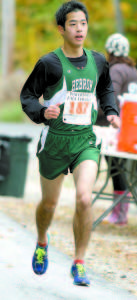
71,53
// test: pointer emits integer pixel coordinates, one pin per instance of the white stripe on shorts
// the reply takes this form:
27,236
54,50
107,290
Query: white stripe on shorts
43,137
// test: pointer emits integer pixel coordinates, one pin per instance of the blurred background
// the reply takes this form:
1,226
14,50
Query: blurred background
28,31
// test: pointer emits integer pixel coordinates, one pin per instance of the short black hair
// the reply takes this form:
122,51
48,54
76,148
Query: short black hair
68,7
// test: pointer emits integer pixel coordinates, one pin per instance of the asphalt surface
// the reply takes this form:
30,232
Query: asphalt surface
17,244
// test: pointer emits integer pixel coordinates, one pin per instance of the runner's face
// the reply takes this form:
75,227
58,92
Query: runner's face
75,28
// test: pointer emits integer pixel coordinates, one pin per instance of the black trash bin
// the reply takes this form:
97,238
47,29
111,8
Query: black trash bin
14,158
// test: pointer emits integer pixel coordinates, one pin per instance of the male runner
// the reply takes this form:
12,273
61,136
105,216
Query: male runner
70,79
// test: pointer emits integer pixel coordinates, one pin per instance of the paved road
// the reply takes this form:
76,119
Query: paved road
17,280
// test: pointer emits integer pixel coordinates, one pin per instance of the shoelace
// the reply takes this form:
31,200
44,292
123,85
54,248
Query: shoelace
40,255
81,270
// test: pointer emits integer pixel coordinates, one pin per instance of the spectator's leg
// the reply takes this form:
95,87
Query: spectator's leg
119,213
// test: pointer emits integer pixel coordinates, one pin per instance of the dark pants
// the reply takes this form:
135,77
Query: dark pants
119,182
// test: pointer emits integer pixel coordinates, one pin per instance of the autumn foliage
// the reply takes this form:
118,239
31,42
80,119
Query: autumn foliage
36,32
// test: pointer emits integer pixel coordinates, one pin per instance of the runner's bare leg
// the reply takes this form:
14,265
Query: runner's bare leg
45,210
84,178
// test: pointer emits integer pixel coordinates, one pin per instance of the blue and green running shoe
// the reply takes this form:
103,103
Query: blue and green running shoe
40,260
78,272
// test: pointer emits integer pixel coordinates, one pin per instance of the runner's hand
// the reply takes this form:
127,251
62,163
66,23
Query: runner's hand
52,112
114,121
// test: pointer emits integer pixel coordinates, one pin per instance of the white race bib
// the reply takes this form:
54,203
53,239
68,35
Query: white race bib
77,108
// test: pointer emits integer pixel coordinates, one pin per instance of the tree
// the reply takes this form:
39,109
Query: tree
8,30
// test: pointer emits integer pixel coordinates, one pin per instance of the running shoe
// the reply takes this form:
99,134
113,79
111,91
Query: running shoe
40,260
78,272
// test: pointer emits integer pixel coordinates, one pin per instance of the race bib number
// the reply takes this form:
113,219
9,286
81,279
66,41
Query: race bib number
78,108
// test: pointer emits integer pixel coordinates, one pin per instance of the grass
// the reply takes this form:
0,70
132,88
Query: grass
12,112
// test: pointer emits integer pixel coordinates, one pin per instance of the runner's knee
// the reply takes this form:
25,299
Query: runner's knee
48,205
83,200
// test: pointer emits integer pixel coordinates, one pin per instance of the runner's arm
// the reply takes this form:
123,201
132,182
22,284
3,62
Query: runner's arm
32,91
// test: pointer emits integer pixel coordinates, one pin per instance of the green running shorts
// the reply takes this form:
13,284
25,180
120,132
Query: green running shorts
59,152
